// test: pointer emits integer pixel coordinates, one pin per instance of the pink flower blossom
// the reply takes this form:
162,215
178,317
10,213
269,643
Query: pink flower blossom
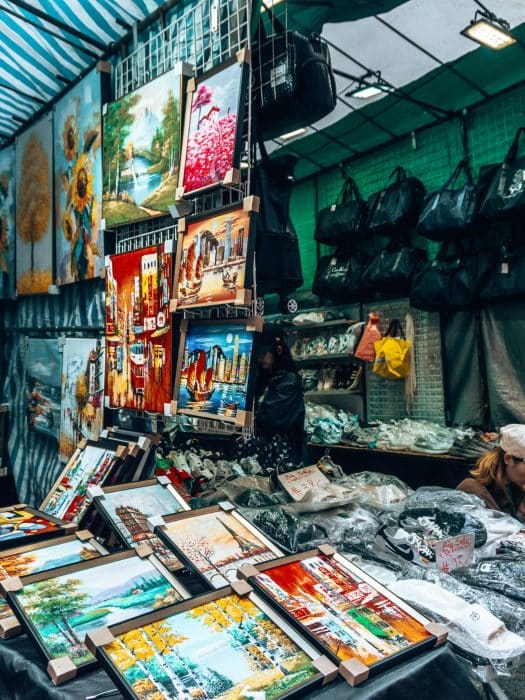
209,153
203,97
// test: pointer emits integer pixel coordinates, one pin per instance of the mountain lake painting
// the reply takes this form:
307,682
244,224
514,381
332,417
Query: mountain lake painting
60,610
142,134
226,649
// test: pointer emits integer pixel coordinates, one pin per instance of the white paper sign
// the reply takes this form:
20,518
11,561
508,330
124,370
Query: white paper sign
454,552
300,481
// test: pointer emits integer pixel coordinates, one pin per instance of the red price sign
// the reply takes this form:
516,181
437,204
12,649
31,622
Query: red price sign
454,552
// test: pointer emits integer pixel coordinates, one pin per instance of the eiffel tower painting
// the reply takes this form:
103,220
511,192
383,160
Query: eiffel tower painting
245,545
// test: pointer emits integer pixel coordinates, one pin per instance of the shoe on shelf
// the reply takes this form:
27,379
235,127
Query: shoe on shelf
432,444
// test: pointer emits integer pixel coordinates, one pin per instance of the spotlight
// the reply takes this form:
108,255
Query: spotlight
367,88
488,30
292,134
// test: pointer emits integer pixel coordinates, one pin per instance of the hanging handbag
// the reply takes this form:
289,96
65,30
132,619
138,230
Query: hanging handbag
448,283
338,276
345,220
294,81
450,212
505,195
365,350
392,270
392,353
502,274
396,208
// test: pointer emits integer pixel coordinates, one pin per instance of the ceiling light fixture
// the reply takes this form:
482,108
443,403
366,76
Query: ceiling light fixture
490,31
268,4
369,88
292,134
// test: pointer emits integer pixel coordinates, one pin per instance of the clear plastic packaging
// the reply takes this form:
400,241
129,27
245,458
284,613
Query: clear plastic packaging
501,574
378,490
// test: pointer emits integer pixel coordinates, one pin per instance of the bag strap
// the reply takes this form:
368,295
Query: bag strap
400,174
461,166
395,329
323,61
350,190
512,153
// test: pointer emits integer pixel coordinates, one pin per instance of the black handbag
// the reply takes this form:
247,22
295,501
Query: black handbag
448,212
502,274
391,271
396,208
344,220
505,195
338,276
448,283
294,81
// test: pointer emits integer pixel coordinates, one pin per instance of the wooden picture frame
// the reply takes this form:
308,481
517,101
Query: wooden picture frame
20,524
202,93
235,404
197,531
146,502
290,655
49,605
18,562
146,442
68,495
325,565
215,253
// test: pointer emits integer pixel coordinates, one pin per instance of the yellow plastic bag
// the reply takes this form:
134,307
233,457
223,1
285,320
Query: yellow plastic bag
393,354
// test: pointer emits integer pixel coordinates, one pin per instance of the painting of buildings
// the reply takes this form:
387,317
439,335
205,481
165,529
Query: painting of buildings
43,364
215,369
340,610
217,544
34,222
7,222
82,393
138,329
60,610
212,263
18,525
142,135
128,510
228,648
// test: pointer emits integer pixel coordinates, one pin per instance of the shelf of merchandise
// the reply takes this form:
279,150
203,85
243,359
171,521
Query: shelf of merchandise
404,453
319,326
325,358
334,393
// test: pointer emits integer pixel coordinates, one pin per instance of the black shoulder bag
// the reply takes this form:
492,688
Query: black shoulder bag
505,195
395,209
345,220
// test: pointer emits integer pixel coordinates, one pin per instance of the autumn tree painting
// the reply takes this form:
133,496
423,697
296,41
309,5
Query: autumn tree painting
7,222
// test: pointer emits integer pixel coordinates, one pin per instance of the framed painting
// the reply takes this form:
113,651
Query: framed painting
214,542
82,393
215,368
142,142
215,258
90,465
138,328
7,222
34,208
358,623
213,127
146,442
78,179
45,556
128,508
222,645
21,523
58,608
43,365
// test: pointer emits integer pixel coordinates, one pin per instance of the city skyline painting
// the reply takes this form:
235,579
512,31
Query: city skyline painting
138,328
34,208
217,543
82,393
214,260
59,610
142,137
7,222
127,509
214,369
228,648
78,181
43,365
213,127
341,610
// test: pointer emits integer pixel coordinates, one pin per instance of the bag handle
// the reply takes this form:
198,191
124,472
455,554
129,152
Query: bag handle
461,166
395,329
350,190
512,153
400,174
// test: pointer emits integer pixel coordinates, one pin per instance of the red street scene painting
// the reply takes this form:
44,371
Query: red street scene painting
138,329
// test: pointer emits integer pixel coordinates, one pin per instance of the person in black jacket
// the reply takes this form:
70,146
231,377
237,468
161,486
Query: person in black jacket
280,402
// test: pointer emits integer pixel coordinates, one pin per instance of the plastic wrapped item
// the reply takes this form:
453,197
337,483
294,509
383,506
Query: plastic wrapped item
285,529
428,496
472,628
325,425
323,497
377,490
512,543
501,574
346,527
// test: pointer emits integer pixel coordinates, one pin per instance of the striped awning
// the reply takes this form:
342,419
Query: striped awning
46,44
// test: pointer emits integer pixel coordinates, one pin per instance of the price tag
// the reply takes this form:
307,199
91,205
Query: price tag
299,482
454,552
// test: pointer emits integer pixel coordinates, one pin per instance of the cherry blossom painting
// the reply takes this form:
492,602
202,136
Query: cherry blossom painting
213,127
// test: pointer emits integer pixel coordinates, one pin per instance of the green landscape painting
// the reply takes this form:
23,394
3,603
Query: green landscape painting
60,610
142,151
226,649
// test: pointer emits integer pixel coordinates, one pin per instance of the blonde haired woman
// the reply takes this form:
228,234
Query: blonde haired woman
499,476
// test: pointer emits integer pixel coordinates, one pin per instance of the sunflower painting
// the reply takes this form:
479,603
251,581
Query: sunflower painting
78,182
34,233
7,222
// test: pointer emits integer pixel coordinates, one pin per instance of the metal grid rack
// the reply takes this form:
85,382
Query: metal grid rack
204,35
144,234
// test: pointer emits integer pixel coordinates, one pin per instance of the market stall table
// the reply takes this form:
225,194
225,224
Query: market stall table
433,675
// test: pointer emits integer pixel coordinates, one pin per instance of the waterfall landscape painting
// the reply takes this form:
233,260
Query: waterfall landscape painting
142,135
